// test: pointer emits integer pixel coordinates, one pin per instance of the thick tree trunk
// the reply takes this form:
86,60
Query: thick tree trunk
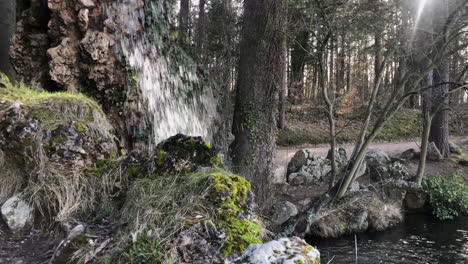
439,128
260,77
7,29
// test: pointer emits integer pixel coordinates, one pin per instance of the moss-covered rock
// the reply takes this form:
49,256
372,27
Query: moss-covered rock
68,129
53,138
184,154
454,148
205,215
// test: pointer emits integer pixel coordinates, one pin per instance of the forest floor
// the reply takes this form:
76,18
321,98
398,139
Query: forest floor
307,124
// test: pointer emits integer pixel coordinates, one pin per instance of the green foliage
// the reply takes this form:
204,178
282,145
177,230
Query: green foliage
448,197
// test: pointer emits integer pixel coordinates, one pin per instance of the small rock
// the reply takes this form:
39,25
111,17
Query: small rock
359,223
283,211
433,152
377,155
454,148
354,186
281,251
87,3
408,154
17,214
415,200
279,175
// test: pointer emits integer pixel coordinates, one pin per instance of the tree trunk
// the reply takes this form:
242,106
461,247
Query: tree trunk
298,57
439,128
184,21
260,77
7,29
201,28
281,94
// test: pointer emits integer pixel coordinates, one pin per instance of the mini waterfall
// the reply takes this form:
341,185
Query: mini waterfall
167,88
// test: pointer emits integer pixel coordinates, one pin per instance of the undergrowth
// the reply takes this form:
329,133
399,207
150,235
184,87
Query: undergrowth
448,196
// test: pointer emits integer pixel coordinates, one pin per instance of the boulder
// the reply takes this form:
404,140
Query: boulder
455,149
408,154
358,222
184,154
279,175
433,152
381,167
282,251
354,186
340,156
283,211
377,156
299,159
17,214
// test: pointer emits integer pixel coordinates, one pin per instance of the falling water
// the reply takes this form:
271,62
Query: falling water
165,86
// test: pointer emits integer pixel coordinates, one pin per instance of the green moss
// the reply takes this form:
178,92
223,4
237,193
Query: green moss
134,171
229,193
298,262
251,118
79,127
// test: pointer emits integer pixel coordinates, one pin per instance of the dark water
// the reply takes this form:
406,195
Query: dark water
419,240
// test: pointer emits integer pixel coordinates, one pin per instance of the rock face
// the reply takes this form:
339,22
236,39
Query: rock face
282,251
17,214
306,169
283,211
433,152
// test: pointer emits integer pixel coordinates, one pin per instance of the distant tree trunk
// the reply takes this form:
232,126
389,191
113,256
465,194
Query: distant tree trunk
260,77
201,28
298,57
7,29
184,21
284,86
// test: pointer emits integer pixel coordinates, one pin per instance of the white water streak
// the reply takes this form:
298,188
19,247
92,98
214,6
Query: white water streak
164,94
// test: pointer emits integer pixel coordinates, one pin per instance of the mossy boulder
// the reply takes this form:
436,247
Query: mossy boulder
184,154
206,215
63,128
455,149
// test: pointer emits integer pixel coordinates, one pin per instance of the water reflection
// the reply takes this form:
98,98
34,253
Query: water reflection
420,239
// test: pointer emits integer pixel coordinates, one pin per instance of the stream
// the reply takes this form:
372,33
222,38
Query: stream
420,239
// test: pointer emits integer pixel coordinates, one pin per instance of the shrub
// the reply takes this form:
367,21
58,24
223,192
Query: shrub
448,197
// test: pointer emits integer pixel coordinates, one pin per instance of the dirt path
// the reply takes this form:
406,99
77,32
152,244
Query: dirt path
284,154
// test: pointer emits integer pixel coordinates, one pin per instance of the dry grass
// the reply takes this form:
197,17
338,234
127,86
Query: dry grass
11,178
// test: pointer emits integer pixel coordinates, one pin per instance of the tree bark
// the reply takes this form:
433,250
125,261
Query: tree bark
260,77
184,21
7,29
201,28
439,133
